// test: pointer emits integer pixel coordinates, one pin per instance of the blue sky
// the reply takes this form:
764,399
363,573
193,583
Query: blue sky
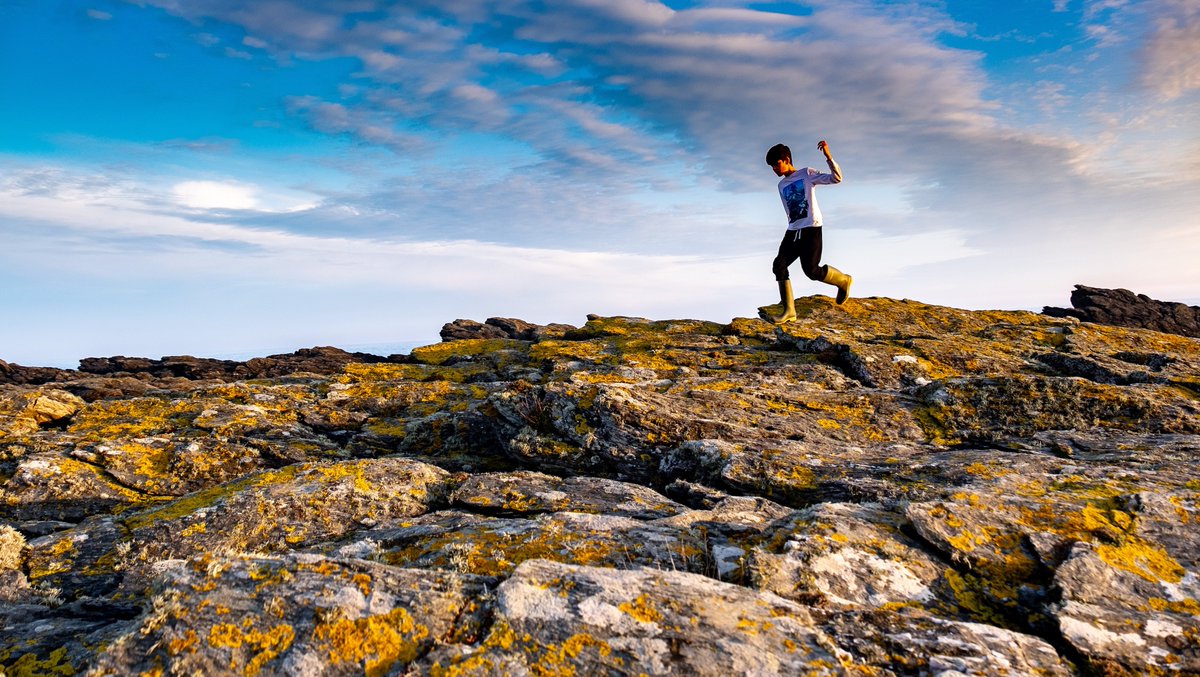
213,177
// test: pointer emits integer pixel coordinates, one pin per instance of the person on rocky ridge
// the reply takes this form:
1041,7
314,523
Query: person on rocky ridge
802,240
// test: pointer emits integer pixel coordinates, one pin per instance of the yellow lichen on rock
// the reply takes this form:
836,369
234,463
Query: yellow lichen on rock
1138,557
263,646
440,353
377,642
642,610
56,664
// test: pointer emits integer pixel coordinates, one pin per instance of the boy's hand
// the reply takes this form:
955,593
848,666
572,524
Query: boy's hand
823,147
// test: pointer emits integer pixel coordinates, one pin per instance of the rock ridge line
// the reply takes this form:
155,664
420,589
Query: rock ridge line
881,488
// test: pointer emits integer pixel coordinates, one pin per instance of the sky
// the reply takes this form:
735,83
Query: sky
229,178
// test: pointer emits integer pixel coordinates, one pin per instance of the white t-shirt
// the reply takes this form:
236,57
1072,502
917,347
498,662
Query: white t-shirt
796,191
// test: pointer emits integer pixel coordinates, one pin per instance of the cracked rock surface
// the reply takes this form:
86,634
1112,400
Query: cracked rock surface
880,488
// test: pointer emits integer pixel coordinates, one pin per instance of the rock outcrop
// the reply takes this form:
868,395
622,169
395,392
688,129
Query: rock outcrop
880,488
1123,308
109,376
502,327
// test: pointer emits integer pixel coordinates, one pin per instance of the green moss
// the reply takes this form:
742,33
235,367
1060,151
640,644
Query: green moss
440,353
462,372
209,497
29,665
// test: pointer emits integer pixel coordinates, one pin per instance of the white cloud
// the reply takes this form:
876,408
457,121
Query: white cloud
1171,54
215,195
633,137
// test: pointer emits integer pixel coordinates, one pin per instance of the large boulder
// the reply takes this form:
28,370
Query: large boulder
1124,308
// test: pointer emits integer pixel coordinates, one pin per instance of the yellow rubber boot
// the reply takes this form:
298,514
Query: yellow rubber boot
788,301
840,280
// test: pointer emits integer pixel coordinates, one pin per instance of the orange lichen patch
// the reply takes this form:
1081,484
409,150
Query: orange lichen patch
357,372
989,471
563,660
592,377
1109,339
208,497
719,386
324,568
498,551
264,646
363,581
377,642
340,471
858,415
1144,559
642,610
268,396
1183,606
387,427
1095,520
69,467
1186,507
502,638
197,528
149,463
391,397
383,373
796,478
137,417
56,663
187,643
556,351
439,353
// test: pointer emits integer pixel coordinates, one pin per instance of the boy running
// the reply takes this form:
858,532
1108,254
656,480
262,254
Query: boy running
803,237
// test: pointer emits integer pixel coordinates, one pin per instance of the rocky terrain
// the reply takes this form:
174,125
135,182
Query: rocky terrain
880,488
1123,308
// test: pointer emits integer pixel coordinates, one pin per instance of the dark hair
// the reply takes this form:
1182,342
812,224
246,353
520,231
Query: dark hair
778,152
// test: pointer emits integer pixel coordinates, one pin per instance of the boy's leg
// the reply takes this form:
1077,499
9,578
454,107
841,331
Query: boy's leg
810,254
789,250
840,280
810,258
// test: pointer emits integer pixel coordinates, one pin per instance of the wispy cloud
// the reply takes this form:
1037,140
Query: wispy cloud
497,152
1171,53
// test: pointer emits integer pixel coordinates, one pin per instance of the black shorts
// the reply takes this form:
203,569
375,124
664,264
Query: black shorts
803,244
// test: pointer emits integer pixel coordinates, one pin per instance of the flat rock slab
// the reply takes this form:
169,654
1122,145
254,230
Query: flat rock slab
847,555
496,546
532,492
913,642
299,615
265,512
561,619
1130,608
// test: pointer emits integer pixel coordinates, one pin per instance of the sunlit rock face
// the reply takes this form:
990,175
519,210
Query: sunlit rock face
1124,308
879,488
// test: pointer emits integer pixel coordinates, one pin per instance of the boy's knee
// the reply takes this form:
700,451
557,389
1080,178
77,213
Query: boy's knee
779,268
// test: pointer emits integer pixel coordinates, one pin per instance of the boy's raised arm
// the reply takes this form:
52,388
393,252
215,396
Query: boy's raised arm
834,169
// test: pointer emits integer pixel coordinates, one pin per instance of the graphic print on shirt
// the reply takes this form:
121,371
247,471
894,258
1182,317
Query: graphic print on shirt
796,200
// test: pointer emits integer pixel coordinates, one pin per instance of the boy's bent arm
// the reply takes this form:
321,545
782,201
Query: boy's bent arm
834,170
